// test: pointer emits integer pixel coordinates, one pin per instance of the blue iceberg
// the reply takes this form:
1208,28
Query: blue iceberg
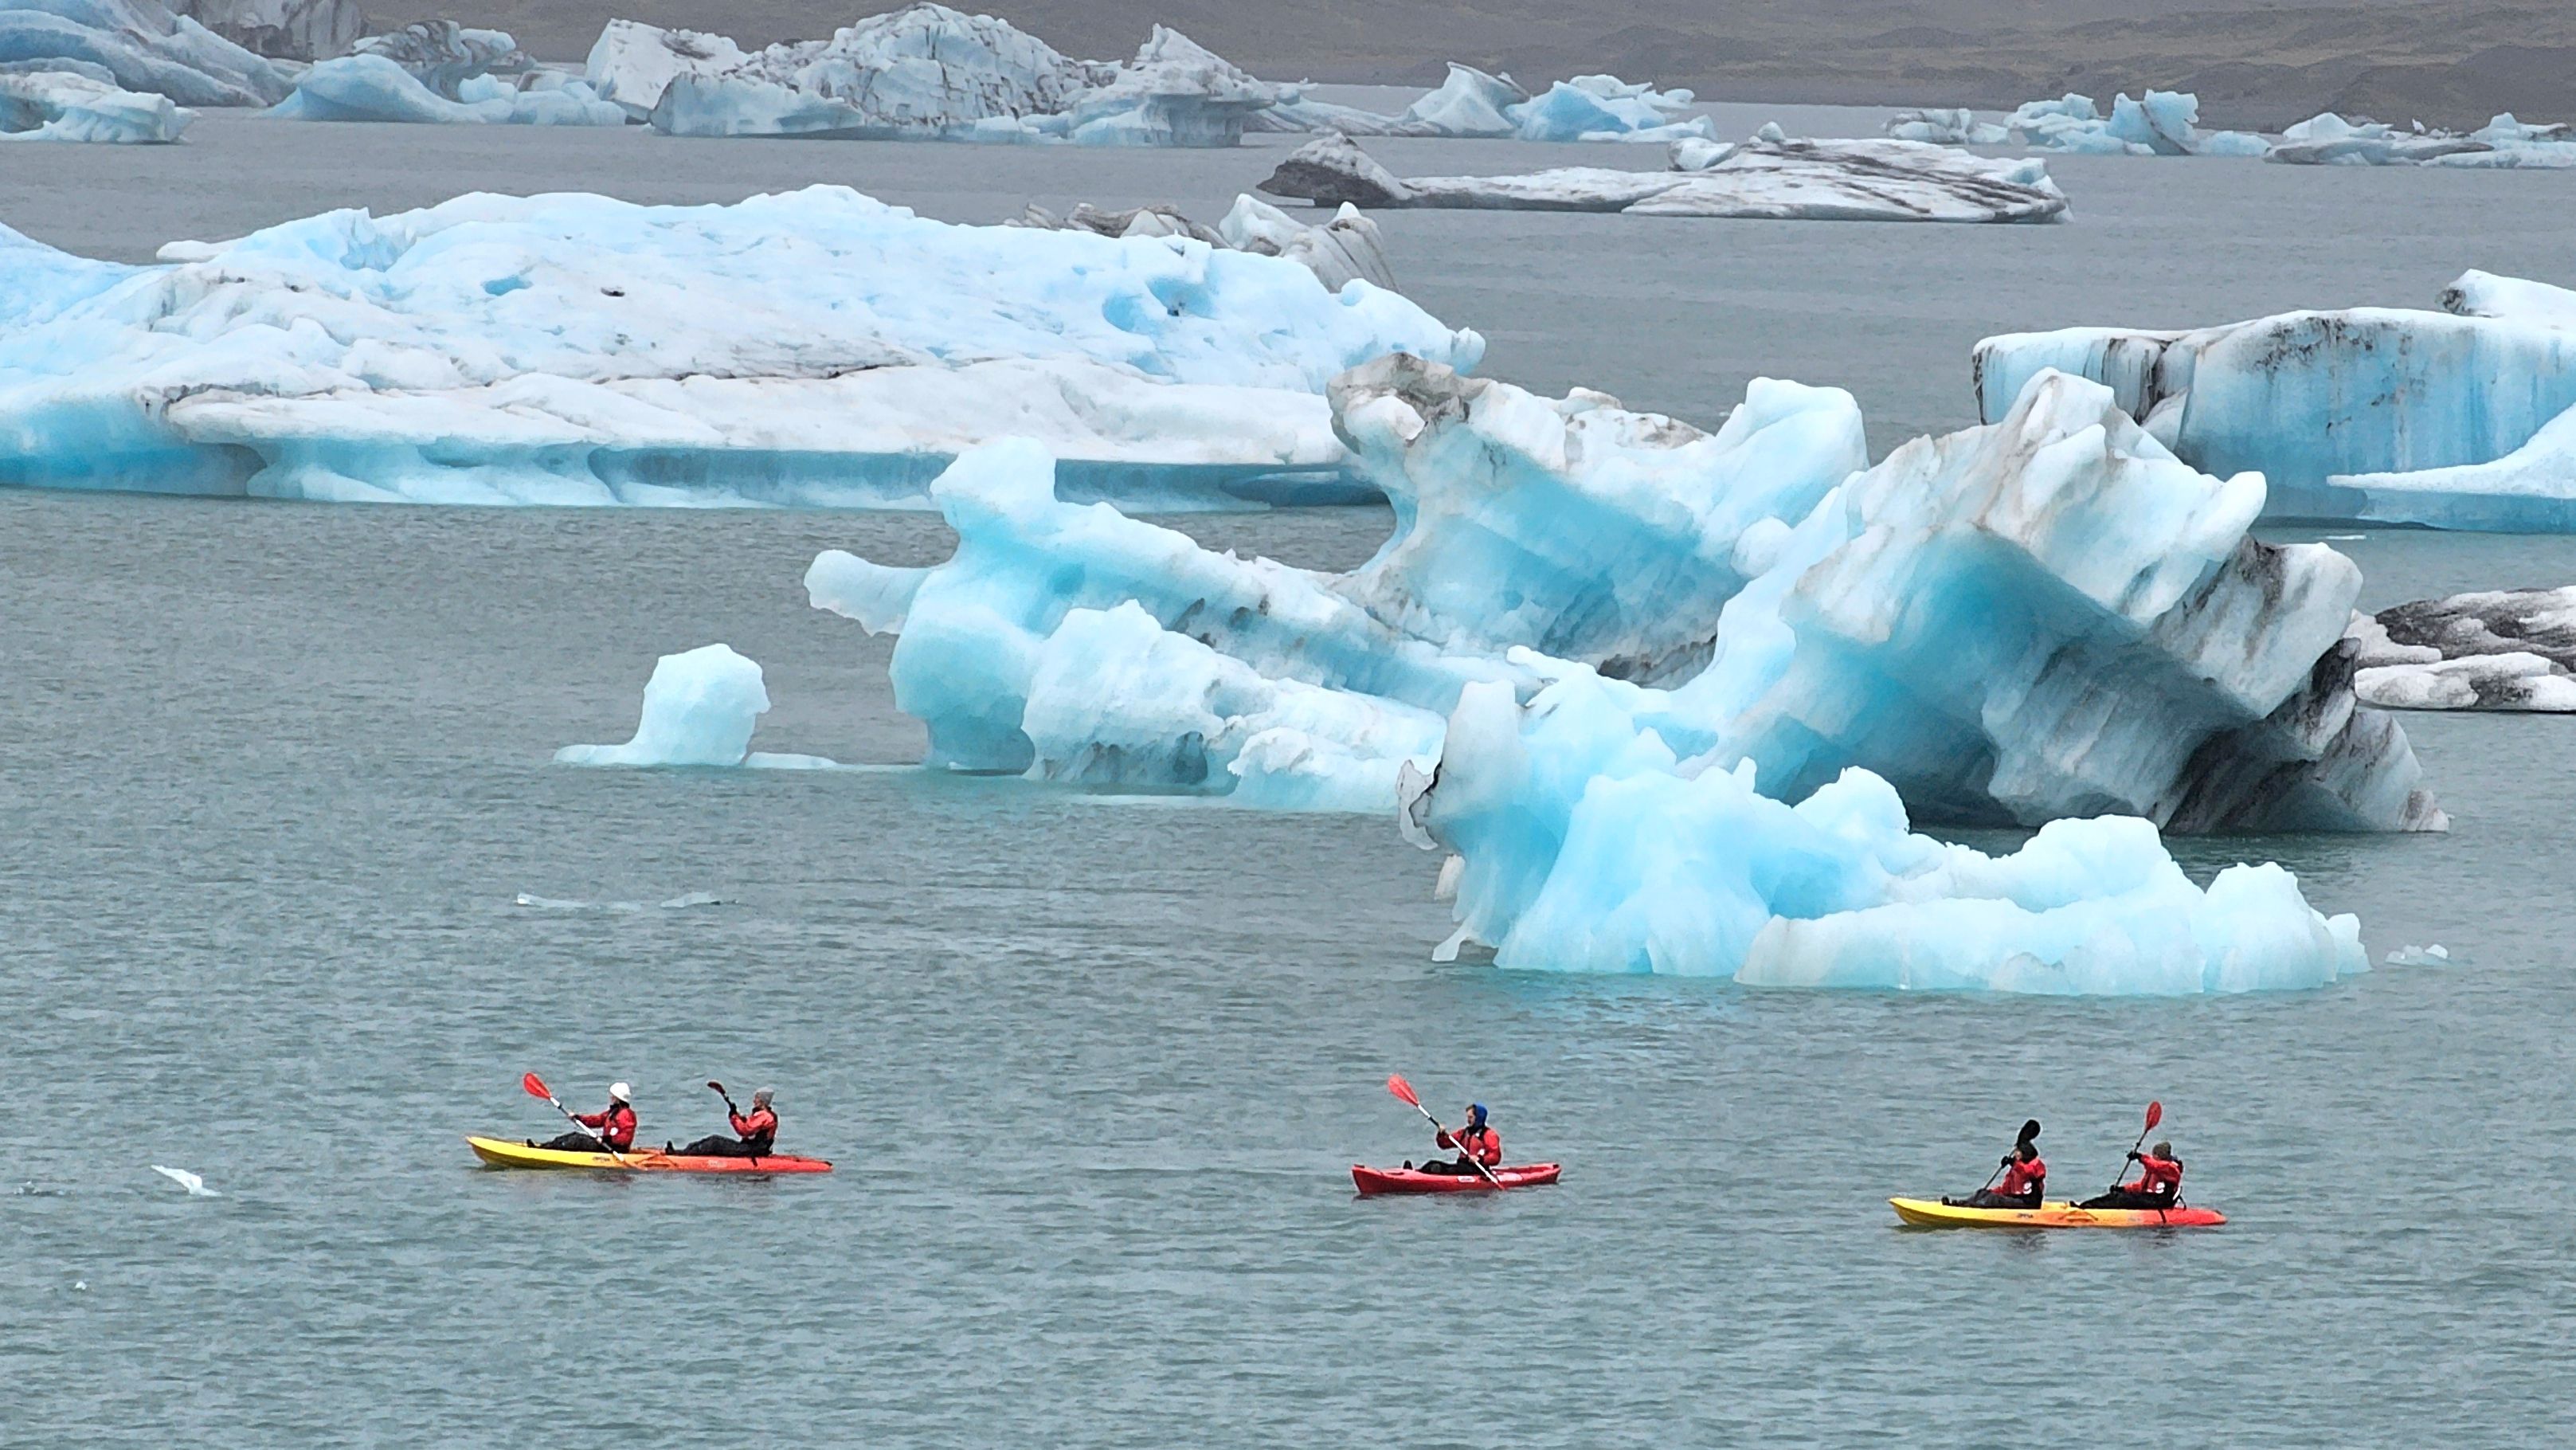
2159,123
2453,419
700,708
2503,143
440,73
84,105
141,46
816,348
2045,618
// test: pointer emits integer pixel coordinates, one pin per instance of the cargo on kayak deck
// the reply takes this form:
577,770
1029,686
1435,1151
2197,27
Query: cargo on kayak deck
1932,1213
501,1153
1373,1181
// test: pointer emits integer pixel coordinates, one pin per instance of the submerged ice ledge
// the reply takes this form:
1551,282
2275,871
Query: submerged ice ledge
816,348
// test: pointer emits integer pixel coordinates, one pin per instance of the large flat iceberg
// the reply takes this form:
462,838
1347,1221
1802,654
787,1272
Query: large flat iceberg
2503,143
2453,419
812,348
141,46
2048,617
83,105
1585,843
1770,176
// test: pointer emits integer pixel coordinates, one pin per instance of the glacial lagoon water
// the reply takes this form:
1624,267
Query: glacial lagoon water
273,777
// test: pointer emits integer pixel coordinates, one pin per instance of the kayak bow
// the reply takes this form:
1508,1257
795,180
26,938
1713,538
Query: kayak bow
501,1153
1932,1213
1373,1181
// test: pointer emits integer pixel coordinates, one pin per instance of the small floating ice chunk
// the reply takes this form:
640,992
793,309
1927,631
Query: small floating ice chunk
195,1185
2411,955
700,708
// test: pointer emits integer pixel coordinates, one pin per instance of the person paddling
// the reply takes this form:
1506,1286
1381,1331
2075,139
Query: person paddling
612,1127
754,1133
2025,1177
1476,1143
2158,1184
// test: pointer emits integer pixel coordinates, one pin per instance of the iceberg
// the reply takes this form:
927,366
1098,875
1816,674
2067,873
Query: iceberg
816,348
141,46
1471,103
2502,649
83,105
1337,251
1174,93
440,73
2160,123
2455,419
1770,176
1584,843
1950,126
700,708
2044,618
281,29
632,64
2327,139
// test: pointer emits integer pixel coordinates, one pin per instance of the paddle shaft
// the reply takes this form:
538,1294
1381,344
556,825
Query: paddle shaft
1463,1150
2133,1152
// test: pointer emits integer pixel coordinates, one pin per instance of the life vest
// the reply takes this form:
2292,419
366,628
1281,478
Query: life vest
758,1131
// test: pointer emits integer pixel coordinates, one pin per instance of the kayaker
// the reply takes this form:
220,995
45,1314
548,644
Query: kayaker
1476,1143
612,1127
2025,1179
2158,1184
754,1132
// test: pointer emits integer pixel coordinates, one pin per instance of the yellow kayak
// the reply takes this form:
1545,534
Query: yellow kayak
1933,1213
502,1153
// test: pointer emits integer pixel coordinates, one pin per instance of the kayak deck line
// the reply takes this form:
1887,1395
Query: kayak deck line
1932,1213
1374,1181
504,1153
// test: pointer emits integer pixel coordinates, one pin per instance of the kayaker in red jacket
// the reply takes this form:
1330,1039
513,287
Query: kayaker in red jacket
1476,1143
755,1132
613,1126
2025,1179
2158,1184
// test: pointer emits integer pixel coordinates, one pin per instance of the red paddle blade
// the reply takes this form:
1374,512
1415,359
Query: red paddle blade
2155,1115
1396,1084
535,1087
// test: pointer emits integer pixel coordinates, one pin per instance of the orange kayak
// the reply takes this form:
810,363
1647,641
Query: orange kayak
502,1153
1932,1213
1374,1181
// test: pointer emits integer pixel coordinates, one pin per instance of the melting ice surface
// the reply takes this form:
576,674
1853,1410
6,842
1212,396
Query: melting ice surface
815,348
2463,418
700,708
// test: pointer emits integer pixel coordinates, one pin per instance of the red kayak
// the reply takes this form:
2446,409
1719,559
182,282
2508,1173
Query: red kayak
1373,1181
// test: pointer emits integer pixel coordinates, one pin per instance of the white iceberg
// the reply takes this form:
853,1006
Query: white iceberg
1947,126
63,105
2047,618
2160,123
440,73
632,64
2327,139
1174,93
281,29
1347,247
143,47
1587,844
2457,419
812,348
2502,649
700,708
1770,176
1471,103
195,1185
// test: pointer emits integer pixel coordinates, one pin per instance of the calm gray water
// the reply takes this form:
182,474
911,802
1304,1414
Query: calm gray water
271,777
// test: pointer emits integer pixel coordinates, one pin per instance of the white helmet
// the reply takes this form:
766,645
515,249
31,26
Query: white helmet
619,1091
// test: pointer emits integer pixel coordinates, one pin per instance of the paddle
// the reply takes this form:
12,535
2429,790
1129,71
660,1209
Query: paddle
1403,1090
718,1089
535,1087
2155,1115
2029,1131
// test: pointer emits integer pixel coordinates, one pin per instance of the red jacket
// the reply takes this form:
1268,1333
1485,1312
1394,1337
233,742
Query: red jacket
2156,1175
615,1125
759,1129
2020,1178
1482,1144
